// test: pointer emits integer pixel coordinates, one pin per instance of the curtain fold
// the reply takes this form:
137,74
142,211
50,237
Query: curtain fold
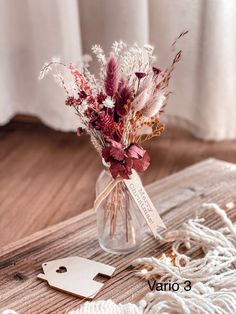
203,86
31,32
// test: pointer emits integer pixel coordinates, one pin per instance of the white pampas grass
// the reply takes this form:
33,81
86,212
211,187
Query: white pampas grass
45,70
154,105
140,101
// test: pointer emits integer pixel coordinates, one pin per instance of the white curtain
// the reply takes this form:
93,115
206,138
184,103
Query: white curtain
204,94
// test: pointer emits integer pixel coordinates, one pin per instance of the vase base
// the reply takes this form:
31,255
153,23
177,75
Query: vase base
123,251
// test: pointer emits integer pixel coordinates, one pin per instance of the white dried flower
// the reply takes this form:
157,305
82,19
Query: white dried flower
99,53
45,70
149,48
58,79
86,59
56,59
109,103
117,47
136,59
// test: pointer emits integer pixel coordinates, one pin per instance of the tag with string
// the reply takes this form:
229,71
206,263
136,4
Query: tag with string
144,203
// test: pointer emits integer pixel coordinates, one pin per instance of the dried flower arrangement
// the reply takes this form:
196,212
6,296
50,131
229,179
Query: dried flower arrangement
120,109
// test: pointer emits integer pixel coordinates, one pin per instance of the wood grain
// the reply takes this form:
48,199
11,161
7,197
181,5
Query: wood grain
48,176
176,197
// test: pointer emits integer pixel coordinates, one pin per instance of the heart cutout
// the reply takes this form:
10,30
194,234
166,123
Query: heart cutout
61,269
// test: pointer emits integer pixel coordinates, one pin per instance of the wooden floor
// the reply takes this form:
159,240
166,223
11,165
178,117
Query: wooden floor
48,176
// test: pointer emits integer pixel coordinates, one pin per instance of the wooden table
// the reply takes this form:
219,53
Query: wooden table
176,197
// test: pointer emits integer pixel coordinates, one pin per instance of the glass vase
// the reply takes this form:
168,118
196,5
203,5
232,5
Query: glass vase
119,221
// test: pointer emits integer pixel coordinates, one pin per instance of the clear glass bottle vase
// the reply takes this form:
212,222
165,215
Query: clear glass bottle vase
119,221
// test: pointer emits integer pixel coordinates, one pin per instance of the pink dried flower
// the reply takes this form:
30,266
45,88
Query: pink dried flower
112,76
81,80
91,99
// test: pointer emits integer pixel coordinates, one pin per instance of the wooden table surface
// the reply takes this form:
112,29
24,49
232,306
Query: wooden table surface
47,176
176,198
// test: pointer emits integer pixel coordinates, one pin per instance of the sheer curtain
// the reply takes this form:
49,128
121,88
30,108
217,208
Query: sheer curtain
204,96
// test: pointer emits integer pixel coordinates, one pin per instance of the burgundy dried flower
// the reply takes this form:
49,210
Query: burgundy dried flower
122,104
122,160
105,123
88,112
115,155
91,99
112,76
177,57
101,97
156,70
82,94
80,131
70,101
93,118
140,75
180,35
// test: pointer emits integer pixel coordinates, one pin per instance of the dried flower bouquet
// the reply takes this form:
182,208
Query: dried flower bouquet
120,110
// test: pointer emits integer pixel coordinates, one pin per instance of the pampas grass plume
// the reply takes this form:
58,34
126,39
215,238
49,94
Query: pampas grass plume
112,76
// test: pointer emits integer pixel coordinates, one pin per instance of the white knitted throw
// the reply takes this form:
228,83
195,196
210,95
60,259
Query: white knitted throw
213,277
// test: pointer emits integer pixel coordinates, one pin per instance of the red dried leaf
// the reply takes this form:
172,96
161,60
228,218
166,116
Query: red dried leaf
117,153
142,164
135,151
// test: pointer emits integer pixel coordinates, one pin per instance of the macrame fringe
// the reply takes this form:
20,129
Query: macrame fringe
107,307
213,276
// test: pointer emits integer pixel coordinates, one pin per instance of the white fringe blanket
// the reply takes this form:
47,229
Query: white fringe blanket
213,277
